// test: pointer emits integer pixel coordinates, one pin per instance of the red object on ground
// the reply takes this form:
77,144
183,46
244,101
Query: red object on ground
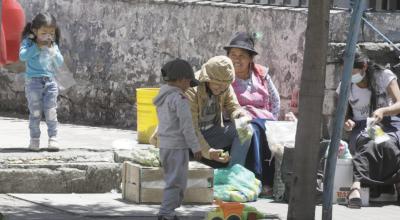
12,25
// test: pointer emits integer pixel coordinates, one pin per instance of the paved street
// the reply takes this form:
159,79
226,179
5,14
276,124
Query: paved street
91,145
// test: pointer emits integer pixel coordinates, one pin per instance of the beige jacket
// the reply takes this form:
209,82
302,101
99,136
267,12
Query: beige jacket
218,69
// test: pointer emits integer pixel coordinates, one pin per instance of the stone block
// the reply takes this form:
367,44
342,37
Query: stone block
67,178
333,76
31,181
329,105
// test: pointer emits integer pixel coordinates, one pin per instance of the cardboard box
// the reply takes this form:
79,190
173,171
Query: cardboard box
145,184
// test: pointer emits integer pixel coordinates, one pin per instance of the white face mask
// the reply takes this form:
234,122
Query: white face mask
356,78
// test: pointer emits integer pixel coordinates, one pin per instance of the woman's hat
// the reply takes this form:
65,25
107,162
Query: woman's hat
217,69
178,69
242,40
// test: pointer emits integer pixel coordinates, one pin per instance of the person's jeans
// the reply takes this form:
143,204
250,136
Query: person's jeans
222,137
41,93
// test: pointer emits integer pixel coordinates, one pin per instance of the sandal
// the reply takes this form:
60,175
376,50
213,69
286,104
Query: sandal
354,203
266,192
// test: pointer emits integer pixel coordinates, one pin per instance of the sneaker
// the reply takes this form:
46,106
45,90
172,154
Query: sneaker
53,144
34,144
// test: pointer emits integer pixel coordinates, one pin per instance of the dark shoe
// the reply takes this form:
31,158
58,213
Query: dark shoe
161,217
386,194
354,203
374,192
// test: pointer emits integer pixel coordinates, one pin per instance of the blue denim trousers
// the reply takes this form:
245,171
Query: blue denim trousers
41,93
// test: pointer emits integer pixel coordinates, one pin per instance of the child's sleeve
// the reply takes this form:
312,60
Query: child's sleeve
27,50
186,123
58,59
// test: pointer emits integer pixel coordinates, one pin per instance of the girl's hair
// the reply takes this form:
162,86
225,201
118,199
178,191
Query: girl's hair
40,20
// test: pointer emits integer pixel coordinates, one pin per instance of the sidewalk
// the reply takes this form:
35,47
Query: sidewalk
88,162
14,134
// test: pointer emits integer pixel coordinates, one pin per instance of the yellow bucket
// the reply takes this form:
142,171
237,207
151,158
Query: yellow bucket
146,113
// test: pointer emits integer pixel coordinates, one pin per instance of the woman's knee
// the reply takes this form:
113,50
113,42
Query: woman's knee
364,143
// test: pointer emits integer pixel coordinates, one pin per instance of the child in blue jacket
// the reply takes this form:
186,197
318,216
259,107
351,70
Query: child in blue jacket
39,50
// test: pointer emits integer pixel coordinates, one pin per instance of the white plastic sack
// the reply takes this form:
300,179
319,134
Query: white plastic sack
280,134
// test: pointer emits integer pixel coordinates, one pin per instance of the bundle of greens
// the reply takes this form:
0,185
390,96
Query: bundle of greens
147,156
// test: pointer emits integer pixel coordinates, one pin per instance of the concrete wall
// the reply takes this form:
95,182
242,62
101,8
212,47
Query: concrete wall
112,47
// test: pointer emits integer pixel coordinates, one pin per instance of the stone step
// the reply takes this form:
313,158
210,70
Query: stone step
94,177
66,171
15,157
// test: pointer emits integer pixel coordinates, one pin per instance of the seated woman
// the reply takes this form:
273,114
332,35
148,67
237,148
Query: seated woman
374,92
209,100
257,94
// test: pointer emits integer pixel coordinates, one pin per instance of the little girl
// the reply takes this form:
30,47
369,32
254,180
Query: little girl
39,50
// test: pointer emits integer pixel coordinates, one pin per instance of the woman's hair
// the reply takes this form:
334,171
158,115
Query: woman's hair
251,54
360,60
40,20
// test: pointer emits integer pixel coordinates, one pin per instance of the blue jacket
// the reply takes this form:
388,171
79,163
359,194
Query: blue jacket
39,62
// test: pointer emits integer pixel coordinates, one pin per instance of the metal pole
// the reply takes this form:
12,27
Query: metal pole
380,33
354,30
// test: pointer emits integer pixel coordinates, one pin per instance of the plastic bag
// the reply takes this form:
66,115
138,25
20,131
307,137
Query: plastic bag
236,184
244,129
147,157
280,134
375,132
63,75
343,151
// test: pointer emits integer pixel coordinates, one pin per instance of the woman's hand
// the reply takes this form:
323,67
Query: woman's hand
246,117
349,125
290,117
216,156
240,114
378,115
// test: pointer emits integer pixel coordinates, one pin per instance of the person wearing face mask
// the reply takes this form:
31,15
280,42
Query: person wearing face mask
374,92
258,95
39,50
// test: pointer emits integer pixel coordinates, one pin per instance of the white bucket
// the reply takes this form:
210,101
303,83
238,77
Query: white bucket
343,180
